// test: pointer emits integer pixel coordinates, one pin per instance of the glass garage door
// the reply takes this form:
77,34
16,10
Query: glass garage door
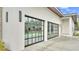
53,30
34,30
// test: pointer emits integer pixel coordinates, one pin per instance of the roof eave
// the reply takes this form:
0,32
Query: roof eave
56,11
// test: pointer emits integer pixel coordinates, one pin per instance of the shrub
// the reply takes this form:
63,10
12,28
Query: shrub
76,33
2,47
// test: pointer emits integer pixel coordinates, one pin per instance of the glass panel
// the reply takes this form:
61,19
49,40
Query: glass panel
36,39
33,40
26,42
30,41
40,38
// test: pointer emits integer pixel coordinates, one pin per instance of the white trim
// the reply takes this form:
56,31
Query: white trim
59,11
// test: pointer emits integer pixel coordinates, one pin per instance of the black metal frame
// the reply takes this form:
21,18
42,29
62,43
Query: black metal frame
33,17
6,16
57,30
20,16
35,33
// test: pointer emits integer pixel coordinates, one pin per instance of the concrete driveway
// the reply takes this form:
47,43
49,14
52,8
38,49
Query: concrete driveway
56,44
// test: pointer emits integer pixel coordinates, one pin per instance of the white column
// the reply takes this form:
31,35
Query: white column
70,26
60,30
45,31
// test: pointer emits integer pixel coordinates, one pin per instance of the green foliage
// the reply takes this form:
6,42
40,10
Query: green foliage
2,47
76,33
78,25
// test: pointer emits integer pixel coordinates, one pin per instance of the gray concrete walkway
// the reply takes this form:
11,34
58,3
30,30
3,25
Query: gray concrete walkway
56,44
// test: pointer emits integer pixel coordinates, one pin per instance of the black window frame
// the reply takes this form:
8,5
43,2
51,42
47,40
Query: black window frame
54,29
42,36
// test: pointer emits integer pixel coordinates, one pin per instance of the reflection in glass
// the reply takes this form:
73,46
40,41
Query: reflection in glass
33,30
52,30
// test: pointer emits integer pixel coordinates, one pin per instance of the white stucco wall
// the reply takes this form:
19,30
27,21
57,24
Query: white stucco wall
0,23
67,26
13,31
